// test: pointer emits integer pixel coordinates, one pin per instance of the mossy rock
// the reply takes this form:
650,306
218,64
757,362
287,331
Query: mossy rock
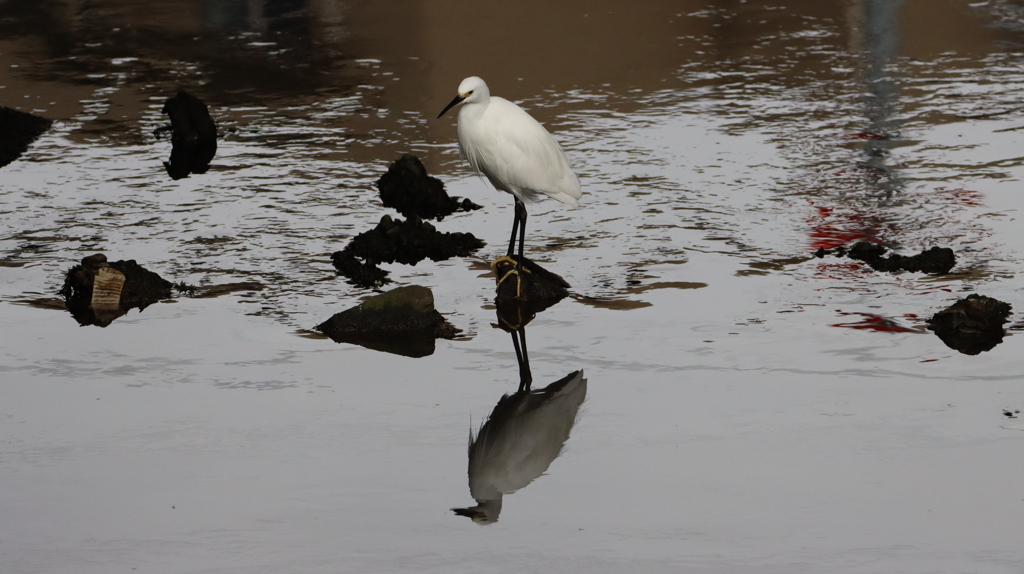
402,321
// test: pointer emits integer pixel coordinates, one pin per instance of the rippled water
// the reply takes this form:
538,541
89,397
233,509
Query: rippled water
747,407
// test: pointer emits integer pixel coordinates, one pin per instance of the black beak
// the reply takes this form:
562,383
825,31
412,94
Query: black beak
455,102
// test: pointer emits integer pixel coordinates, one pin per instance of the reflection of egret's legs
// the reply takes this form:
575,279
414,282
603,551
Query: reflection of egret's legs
525,376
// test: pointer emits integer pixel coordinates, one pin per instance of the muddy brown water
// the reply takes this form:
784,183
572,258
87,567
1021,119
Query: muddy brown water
748,407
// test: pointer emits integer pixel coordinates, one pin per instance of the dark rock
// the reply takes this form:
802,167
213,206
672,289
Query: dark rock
17,131
971,325
402,321
407,242
937,260
97,292
538,289
193,136
407,188
361,272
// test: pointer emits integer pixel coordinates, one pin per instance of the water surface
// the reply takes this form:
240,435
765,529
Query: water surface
734,421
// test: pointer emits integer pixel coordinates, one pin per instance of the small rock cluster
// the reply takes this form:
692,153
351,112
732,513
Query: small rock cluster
937,260
971,325
418,196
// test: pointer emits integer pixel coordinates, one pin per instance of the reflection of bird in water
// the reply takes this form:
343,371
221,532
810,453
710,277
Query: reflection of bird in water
516,154
523,435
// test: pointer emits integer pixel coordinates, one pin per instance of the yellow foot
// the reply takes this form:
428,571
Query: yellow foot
510,261
516,268
519,281
504,259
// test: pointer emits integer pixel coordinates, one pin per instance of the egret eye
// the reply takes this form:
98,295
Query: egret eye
469,93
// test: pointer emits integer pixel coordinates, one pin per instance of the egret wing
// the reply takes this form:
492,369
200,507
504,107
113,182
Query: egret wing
518,155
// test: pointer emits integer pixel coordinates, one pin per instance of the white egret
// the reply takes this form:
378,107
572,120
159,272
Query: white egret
515,153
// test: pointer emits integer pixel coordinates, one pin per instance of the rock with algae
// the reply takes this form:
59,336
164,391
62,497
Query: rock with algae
402,321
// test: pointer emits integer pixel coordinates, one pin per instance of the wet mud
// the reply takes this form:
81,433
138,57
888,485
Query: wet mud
972,325
97,291
398,241
402,321
408,189
936,261
17,131
193,135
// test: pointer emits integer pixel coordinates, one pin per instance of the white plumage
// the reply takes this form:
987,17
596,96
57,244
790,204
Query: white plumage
513,151
516,154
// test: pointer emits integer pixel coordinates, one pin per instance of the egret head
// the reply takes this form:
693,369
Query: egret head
471,90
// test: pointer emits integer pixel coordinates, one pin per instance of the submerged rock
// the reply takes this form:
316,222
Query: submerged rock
407,242
193,135
96,292
937,260
538,289
407,188
402,321
971,325
17,131
210,291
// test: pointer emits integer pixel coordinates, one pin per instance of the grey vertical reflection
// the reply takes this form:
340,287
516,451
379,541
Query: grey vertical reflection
881,39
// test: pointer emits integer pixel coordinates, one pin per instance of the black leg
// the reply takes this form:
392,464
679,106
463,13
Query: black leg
525,376
521,216
515,228
518,225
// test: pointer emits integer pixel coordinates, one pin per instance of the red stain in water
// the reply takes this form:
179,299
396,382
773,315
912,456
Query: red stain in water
962,196
872,322
825,236
830,229
865,136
